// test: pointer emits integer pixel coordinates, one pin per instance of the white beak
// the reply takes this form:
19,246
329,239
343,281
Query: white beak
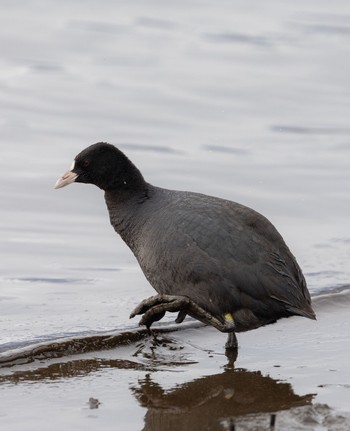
66,179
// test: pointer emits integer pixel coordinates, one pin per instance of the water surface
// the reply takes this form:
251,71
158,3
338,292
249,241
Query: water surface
246,101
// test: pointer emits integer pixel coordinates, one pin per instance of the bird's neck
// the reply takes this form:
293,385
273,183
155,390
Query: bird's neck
124,211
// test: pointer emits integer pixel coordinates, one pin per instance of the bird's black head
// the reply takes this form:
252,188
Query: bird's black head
105,166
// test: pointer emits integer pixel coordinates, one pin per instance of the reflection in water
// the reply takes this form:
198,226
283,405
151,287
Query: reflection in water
212,402
71,369
234,399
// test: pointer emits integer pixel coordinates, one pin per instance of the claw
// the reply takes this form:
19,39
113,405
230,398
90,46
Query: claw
157,311
144,305
149,319
132,314
181,316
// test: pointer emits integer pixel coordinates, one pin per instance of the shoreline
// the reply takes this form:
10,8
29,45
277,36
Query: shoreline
296,370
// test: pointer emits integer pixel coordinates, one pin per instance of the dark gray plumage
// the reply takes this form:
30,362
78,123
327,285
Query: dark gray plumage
207,257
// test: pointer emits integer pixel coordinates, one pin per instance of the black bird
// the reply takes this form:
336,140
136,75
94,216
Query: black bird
215,260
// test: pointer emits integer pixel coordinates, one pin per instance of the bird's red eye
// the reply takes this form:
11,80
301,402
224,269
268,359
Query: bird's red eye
86,162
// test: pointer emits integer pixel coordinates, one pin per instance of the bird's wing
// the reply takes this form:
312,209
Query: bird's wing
218,251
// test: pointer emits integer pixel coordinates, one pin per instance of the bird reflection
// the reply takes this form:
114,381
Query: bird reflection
216,402
227,401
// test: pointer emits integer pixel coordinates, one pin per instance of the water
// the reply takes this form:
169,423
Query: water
244,100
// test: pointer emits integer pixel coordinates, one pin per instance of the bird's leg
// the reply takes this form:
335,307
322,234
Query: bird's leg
232,343
153,309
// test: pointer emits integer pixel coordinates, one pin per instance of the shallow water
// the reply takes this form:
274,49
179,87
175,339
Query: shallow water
285,375
240,100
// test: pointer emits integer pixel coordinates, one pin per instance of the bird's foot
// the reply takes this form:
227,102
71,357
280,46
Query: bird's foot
154,308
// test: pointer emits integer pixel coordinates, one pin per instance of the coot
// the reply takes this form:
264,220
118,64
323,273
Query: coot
215,260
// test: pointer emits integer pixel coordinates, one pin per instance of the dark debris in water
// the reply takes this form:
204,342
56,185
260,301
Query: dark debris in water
93,403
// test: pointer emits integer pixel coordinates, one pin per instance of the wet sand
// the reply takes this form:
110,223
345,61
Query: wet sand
288,376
